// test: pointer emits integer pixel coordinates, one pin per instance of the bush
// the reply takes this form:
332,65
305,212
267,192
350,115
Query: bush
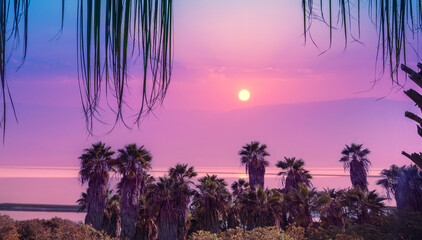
57,229
267,233
8,229
321,233
202,235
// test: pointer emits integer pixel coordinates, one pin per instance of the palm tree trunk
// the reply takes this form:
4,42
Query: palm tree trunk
181,222
211,222
256,177
97,187
167,223
130,193
358,174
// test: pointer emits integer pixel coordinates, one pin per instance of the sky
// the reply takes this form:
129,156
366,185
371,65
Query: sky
302,103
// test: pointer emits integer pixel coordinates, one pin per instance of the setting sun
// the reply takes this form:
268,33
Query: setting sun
244,95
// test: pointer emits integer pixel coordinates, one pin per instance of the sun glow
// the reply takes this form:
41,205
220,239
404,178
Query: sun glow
244,95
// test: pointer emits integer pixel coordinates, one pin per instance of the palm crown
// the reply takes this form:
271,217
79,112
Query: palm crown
253,157
295,173
95,160
133,159
210,202
354,158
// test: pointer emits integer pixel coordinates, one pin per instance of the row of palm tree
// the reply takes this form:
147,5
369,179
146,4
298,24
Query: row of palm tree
132,163
173,206
253,158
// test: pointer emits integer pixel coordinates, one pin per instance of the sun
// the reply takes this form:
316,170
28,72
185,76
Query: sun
244,95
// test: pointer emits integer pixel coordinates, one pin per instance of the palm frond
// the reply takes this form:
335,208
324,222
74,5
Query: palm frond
12,13
107,35
398,23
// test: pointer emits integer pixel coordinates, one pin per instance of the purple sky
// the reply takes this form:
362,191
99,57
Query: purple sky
301,104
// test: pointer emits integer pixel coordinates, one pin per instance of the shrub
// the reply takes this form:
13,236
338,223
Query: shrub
202,235
332,232
57,229
266,233
8,229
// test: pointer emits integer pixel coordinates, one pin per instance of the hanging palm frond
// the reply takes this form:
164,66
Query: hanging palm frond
13,17
398,23
108,37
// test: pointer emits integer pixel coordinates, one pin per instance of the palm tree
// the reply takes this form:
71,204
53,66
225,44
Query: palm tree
112,220
182,175
82,202
238,187
253,157
146,227
332,213
96,163
259,208
295,172
354,158
169,199
302,201
363,206
160,198
210,203
405,183
132,163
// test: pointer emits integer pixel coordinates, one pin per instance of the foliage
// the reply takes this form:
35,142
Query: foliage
397,24
301,203
259,207
132,163
405,183
332,213
96,162
182,177
253,157
238,187
57,229
267,233
363,206
168,199
204,235
354,158
320,233
295,172
8,229
404,225
210,203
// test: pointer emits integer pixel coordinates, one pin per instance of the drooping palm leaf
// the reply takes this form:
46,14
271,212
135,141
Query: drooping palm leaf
398,23
12,13
109,34
108,37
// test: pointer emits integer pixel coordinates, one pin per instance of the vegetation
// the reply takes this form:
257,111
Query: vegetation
253,157
174,208
55,228
404,183
96,163
132,163
210,203
416,77
295,173
354,158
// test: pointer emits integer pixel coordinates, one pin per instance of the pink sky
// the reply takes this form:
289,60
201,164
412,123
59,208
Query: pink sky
301,104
